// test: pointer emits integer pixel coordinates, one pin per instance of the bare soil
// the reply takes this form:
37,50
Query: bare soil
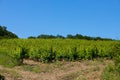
80,70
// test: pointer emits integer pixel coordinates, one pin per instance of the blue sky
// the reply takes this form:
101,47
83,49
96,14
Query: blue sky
86,17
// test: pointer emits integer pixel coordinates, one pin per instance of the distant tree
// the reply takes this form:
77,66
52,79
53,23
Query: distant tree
78,36
4,33
107,39
31,37
69,36
51,37
44,36
98,38
60,37
88,38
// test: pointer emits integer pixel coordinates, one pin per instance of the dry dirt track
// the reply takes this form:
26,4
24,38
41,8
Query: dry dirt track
83,70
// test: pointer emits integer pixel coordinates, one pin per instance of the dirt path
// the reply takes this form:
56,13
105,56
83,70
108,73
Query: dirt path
84,70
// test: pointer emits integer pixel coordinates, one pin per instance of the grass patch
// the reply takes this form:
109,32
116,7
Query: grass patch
6,60
71,76
111,72
10,73
37,68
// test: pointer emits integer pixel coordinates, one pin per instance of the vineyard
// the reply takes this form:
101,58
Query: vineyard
16,52
51,50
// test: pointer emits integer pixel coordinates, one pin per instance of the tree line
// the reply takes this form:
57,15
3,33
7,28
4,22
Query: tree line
5,34
69,36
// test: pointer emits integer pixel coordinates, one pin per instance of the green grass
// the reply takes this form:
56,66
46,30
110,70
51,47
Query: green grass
7,60
111,72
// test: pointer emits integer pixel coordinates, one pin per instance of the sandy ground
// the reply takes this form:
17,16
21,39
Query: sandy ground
83,70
